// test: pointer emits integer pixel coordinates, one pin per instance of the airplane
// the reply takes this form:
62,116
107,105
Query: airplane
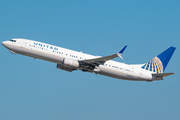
70,60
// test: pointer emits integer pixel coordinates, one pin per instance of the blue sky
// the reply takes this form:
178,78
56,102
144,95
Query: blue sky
36,90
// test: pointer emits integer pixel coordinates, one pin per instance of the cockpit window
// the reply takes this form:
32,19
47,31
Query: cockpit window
12,40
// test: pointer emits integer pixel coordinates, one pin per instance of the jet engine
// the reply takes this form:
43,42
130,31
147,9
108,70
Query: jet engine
62,67
71,63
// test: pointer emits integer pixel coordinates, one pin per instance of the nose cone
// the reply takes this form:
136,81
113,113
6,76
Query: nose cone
4,43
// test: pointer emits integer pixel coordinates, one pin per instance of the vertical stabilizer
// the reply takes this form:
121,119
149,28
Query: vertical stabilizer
159,63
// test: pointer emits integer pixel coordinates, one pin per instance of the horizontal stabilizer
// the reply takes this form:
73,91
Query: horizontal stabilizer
162,74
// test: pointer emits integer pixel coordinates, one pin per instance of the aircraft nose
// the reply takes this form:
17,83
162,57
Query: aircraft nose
4,43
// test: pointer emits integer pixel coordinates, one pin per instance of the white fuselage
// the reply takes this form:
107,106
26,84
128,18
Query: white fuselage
57,55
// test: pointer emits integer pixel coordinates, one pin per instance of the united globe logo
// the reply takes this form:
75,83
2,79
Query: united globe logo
155,65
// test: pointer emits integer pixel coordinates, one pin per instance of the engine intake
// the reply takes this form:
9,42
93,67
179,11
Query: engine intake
62,67
71,62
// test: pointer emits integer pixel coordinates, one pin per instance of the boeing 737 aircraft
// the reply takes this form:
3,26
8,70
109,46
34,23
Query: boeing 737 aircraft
70,60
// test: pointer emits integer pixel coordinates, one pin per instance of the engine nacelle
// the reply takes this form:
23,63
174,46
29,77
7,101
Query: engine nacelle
62,67
71,62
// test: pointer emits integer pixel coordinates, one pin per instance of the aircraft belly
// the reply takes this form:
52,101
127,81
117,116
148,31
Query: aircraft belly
113,73
118,74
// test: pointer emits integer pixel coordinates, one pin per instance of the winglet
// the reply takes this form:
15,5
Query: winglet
121,52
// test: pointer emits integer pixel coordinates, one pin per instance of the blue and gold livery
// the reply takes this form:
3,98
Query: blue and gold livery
155,65
159,63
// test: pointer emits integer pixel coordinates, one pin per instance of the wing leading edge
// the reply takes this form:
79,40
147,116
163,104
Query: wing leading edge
101,60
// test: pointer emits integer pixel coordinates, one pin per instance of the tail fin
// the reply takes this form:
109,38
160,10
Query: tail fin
159,63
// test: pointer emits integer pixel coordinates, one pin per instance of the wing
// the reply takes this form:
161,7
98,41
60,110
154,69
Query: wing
101,60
